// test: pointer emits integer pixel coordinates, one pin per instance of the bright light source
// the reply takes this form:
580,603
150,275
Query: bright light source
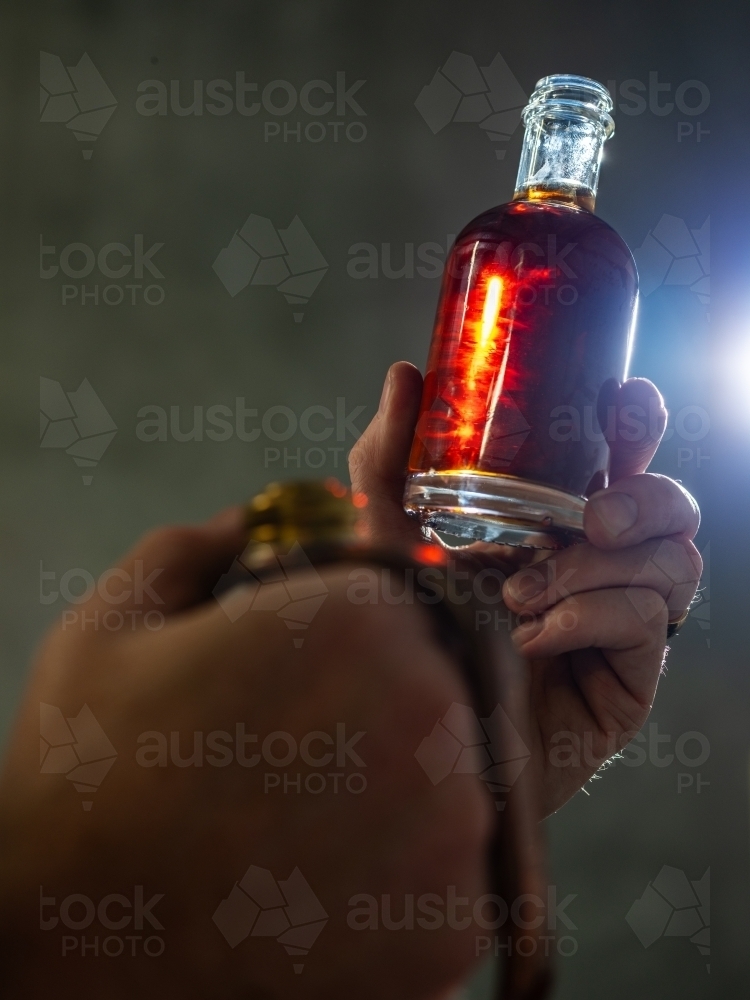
734,373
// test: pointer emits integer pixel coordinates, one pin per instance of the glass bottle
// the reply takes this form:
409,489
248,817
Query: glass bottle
532,338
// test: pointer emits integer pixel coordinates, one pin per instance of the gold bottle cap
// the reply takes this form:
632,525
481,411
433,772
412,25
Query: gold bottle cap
304,511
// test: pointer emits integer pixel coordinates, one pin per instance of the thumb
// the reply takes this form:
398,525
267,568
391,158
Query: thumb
378,462
641,419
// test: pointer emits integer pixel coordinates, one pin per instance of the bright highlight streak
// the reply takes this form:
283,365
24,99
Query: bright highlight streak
491,309
487,328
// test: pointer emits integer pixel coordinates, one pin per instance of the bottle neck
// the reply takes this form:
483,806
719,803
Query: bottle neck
566,129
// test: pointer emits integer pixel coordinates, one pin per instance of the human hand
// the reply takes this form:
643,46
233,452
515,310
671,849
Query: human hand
599,610
191,831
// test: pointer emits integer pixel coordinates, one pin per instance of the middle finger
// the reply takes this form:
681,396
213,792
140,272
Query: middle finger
670,566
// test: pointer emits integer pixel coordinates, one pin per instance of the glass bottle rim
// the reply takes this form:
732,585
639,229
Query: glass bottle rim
571,96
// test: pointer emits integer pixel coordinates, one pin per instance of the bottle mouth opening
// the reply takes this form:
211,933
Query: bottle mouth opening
573,97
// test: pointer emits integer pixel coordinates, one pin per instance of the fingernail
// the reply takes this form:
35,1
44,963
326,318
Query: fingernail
524,586
616,511
385,394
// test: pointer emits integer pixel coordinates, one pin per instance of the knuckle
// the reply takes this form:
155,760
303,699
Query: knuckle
670,571
359,460
649,608
688,507
665,506
675,559
696,559
676,502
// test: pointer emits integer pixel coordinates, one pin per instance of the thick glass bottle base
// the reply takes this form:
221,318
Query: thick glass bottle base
494,508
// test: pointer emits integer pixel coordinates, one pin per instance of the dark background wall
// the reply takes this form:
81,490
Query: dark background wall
383,177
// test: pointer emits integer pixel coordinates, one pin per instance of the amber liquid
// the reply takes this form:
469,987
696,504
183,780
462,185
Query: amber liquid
531,338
